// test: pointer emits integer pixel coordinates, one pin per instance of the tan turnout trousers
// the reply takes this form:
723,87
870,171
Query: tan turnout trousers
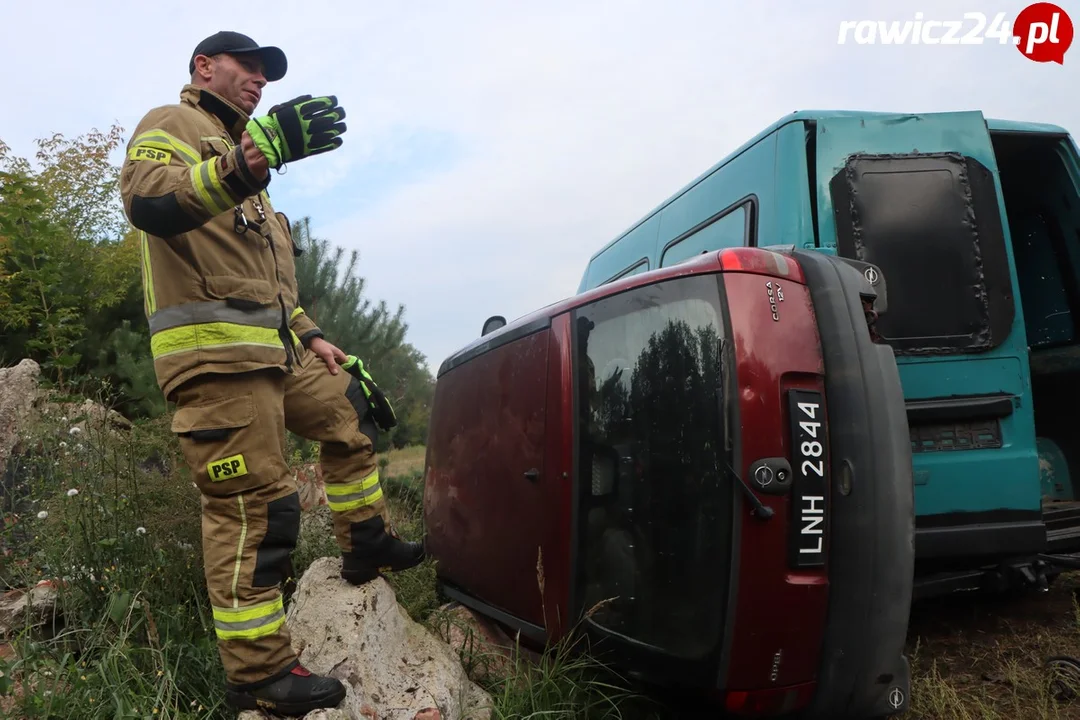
231,428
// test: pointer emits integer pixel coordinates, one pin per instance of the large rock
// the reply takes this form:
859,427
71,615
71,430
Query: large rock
394,668
97,416
23,403
18,395
310,486
490,654
27,609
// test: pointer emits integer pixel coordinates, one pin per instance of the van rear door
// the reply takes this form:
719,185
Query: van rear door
918,196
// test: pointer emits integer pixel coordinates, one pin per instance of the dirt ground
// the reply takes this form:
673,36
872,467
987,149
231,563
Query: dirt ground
984,657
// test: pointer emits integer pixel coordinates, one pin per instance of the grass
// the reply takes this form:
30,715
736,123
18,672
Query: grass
982,657
136,639
112,519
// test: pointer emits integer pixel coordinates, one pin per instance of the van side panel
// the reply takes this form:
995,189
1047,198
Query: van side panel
793,211
633,248
748,176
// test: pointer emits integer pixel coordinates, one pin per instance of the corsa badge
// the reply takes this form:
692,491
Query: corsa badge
776,296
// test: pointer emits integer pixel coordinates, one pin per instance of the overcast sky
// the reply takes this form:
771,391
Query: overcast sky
494,146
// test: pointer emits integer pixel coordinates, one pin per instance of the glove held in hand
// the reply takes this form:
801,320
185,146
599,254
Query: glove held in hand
382,413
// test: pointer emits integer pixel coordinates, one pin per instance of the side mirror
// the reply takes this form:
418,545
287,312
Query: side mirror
492,324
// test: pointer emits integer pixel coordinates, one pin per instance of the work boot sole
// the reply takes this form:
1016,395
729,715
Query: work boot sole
244,701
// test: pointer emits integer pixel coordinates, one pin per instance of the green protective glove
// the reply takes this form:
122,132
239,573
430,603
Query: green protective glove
299,128
382,413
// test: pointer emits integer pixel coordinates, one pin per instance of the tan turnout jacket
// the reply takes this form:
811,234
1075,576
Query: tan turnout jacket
219,280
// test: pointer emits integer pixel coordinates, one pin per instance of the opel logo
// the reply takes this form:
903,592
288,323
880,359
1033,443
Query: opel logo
764,475
896,698
871,275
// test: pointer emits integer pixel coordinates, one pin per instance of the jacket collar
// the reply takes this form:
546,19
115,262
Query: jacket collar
231,118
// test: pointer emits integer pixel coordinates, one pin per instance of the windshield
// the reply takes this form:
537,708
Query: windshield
656,507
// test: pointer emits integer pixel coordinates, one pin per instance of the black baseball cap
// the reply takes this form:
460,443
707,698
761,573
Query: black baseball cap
236,43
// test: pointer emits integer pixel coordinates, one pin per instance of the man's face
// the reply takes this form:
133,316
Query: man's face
237,78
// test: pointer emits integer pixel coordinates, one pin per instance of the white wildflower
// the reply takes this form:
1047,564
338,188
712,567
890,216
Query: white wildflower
63,419
63,444
78,446
75,430
43,514
73,492
140,530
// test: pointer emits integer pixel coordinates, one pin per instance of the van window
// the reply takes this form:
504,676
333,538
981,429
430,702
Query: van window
642,266
727,231
931,222
656,509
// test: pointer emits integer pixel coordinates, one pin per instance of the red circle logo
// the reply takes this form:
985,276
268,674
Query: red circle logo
1043,32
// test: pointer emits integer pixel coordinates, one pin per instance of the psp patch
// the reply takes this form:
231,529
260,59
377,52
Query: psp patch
227,468
145,152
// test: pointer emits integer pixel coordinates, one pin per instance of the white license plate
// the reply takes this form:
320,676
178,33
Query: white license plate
810,473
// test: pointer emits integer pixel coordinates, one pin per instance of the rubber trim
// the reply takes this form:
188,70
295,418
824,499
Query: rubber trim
872,546
533,632
498,338
974,541
957,409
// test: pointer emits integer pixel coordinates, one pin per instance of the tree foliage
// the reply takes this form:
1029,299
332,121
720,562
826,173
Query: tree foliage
71,288
64,261
334,298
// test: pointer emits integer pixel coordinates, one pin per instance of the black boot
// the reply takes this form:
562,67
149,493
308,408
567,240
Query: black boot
296,693
375,550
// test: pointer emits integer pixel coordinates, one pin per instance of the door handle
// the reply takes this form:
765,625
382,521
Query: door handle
532,475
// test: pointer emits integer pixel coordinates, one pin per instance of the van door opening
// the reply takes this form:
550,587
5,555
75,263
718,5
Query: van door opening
1039,176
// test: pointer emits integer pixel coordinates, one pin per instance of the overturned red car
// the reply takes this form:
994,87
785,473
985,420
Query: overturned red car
706,468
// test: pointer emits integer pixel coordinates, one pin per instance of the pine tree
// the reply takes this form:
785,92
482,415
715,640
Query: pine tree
337,303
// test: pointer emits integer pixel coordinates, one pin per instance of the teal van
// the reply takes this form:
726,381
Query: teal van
975,226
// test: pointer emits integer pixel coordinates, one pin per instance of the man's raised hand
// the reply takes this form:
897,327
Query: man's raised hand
299,128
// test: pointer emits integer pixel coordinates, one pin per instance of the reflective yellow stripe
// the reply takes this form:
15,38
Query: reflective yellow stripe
205,180
220,138
239,552
294,337
250,623
297,311
205,336
349,496
164,141
148,275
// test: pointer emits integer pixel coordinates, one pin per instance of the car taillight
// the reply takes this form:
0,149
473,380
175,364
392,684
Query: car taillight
761,261
771,702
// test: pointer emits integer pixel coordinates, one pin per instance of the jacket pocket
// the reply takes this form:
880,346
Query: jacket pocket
216,420
284,220
241,292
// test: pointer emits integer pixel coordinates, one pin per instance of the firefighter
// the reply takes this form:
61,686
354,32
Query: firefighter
243,363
